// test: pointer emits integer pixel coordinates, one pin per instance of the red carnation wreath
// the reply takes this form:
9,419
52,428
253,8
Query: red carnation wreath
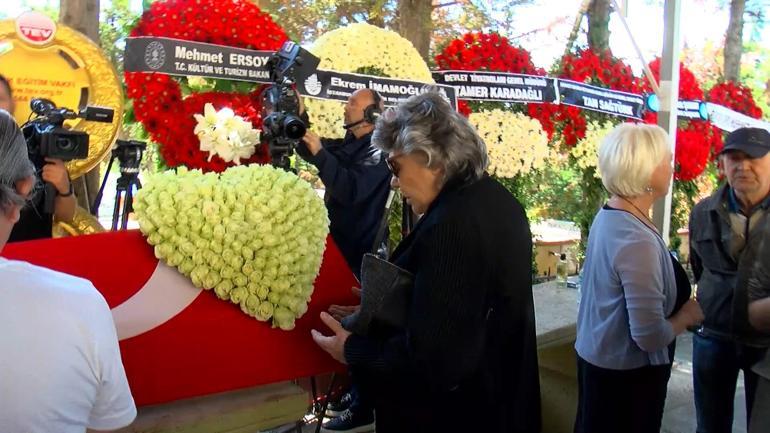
477,51
734,96
696,140
158,100
585,66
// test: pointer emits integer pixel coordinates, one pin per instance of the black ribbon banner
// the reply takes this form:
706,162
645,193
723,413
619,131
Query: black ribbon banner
178,57
691,110
499,86
186,58
599,99
338,86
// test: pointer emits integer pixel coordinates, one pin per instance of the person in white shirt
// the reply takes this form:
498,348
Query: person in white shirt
60,365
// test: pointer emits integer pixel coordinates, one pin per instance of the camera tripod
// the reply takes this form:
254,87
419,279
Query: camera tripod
129,155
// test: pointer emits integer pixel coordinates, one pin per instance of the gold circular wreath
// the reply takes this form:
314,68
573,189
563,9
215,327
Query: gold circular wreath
103,86
83,223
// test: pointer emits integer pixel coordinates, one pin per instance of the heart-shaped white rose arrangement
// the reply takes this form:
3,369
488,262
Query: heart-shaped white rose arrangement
254,234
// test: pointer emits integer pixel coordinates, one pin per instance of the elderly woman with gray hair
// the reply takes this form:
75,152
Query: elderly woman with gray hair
466,357
17,174
635,295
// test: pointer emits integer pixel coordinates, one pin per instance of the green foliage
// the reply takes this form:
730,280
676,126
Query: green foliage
49,8
394,222
306,20
682,201
561,191
371,70
755,73
115,23
117,20
477,106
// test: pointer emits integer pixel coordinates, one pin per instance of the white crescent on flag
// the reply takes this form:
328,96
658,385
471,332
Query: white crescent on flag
165,294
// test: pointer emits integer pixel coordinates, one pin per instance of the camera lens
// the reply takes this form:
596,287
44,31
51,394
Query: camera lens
64,144
294,128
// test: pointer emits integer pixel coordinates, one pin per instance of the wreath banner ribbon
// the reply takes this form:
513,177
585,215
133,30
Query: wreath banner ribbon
613,102
499,86
338,86
186,58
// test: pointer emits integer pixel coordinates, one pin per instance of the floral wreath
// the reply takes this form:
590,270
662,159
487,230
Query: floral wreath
475,51
585,66
516,143
361,48
734,96
695,139
165,111
586,150
209,230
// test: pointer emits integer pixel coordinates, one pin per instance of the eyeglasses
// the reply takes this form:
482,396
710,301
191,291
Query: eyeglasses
394,168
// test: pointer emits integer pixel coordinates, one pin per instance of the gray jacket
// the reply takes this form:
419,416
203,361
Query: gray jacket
628,291
722,281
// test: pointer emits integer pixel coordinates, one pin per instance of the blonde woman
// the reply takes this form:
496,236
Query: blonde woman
629,316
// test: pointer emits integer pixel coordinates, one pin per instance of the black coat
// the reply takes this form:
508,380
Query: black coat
357,183
467,361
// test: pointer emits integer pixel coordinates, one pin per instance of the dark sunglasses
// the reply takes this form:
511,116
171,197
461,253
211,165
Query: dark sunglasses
395,169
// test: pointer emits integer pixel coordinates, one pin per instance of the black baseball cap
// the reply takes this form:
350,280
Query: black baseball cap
755,142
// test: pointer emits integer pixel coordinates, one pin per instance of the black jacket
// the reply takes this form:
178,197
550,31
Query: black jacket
467,360
34,222
357,183
721,280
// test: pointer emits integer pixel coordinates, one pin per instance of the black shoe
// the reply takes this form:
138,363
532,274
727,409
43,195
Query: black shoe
335,408
349,422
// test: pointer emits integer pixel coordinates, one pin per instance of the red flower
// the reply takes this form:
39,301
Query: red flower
689,88
157,98
477,51
693,145
588,67
734,96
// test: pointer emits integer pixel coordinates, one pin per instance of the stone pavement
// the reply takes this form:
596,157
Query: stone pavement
679,415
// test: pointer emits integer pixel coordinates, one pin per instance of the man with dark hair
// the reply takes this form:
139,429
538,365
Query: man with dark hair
35,223
60,368
357,182
725,232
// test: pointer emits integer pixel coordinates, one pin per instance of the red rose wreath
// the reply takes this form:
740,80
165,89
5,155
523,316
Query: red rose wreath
158,100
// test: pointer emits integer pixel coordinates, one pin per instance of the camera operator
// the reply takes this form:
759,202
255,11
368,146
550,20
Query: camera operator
357,182
34,222
356,177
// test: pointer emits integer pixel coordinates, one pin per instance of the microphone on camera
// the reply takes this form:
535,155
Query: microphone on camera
354,124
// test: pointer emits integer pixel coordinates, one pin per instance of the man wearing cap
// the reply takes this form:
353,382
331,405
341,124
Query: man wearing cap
726,230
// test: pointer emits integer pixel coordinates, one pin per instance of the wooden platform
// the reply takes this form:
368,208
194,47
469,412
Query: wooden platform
243,411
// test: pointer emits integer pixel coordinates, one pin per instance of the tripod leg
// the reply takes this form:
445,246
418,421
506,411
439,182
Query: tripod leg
128,206
116,210
98,199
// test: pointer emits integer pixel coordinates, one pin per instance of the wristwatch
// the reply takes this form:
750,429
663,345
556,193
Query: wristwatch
66,194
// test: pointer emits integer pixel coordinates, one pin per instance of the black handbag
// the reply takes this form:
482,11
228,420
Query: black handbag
385,292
